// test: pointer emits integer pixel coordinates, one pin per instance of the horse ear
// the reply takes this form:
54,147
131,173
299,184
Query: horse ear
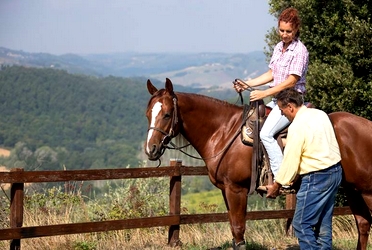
169,86
150,87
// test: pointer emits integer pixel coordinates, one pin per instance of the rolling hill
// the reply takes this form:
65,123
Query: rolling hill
203,70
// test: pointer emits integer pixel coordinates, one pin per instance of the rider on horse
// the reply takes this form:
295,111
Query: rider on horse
287,69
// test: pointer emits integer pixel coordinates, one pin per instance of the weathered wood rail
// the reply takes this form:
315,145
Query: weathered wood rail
18,177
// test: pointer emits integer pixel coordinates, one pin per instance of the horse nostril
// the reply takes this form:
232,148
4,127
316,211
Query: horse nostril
153,149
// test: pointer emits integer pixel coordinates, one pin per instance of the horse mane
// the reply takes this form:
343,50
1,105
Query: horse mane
208,98
212,99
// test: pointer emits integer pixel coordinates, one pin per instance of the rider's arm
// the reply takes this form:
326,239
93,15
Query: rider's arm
287,83
258,81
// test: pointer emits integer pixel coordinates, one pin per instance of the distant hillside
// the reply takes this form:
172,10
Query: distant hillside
199,70
53,119
218,70
87,111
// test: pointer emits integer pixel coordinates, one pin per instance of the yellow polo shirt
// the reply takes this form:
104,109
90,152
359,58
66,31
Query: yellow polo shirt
311,145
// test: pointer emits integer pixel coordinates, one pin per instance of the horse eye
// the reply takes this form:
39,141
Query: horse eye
167,116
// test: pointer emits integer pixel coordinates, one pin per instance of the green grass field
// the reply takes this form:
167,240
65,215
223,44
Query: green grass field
212,201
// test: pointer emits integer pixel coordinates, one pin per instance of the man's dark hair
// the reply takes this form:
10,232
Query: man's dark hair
290,96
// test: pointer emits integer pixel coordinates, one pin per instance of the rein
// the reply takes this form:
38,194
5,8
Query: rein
205,158
240,93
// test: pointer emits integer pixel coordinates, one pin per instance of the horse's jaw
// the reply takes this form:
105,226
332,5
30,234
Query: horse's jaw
151,157
154,157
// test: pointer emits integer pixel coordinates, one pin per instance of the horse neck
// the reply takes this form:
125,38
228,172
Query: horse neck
205,120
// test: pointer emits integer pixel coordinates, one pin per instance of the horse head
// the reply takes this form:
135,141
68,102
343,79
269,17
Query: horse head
162,115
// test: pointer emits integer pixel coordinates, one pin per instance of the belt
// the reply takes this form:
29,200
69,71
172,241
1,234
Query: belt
335,166
331,167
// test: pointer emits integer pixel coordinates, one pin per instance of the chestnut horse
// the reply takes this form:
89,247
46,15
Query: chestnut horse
212,128
354,136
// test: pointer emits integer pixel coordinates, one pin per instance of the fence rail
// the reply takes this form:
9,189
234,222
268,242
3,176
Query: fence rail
17,177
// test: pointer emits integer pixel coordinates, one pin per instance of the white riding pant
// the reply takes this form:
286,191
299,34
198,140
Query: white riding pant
273,124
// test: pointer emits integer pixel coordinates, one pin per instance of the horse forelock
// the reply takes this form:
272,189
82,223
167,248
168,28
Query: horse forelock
159,94
156,95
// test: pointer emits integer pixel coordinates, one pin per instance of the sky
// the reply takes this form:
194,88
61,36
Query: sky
143,26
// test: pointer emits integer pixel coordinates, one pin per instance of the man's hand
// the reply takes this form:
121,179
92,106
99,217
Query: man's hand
273,190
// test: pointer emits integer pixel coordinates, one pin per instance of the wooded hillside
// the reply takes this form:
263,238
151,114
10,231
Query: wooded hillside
51,119
54,119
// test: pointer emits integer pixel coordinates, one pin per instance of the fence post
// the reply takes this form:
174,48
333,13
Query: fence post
175,202
290,203
16,208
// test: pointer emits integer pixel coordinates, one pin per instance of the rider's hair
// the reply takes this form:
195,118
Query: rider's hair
290,15
290,95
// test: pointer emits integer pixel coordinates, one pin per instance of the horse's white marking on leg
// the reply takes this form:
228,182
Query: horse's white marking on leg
154,113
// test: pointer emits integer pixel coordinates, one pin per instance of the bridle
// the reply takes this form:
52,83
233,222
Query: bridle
171,134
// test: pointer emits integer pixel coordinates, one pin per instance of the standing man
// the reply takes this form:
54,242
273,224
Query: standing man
312,152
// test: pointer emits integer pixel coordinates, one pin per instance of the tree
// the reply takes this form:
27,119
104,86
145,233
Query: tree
338,36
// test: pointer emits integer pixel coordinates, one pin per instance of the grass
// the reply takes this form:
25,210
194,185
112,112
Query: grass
260,235
149,197
212,202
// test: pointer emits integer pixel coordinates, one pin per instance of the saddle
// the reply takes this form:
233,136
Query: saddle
254,116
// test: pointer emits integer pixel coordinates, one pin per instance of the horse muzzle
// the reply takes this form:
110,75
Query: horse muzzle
155,151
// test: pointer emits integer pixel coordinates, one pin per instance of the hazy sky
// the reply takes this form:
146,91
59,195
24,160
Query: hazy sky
104,26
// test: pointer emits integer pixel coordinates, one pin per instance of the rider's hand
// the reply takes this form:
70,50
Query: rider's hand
238,85
257,95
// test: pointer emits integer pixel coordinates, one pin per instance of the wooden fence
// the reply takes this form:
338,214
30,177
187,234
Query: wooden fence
17,177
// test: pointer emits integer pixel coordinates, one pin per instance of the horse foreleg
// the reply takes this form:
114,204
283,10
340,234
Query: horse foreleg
363,226
236,204
362,217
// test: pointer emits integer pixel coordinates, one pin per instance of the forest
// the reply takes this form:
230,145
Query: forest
55,120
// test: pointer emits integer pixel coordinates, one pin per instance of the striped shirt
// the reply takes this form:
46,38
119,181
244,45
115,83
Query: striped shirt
294,60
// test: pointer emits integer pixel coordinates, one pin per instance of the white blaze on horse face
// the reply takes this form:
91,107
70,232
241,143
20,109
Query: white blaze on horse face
154,114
